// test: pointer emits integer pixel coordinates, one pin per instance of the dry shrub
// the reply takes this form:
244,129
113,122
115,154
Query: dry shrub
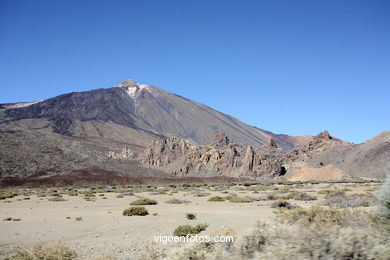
191,216
206,250
303,196
241,200
340,199
200,194
383,196
283,241
135,211
177,201
315,233
199,251
272,196
282,204
41,252
185,230
216,199
144,201
57,198
325,192
319,216
6,194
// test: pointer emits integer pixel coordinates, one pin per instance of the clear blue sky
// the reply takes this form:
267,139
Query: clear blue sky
294,67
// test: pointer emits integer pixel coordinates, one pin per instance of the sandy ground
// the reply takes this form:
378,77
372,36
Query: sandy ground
104,231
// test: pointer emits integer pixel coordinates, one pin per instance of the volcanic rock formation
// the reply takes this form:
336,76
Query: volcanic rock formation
225,158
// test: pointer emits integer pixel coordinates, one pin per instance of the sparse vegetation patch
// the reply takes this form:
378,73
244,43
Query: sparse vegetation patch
241,200
216,199
383,196
144,201
177,201
185,230
135,211
59,252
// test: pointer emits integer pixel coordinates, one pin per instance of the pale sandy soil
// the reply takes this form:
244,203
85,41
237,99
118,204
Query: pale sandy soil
104,231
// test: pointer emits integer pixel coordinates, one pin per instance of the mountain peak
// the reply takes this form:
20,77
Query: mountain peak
132,87
128,83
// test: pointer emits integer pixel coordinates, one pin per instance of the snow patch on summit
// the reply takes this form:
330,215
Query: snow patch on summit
132,91
132,88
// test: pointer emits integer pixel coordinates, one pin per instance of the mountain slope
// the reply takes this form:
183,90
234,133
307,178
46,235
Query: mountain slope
76,132
150,111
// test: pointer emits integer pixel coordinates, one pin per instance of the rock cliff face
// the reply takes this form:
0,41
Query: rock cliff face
223,157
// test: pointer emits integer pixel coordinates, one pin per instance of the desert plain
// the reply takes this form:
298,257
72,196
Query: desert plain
90,220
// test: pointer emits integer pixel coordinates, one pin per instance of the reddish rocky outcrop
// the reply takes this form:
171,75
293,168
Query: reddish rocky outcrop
225,158
221,157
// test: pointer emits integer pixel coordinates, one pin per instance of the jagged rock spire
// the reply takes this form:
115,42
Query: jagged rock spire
272,143
324,135
220,139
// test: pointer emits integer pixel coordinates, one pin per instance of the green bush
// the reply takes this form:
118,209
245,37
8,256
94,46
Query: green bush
189,230
216,199
135,211
12,219
144,201
241,200
324,192
6,194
